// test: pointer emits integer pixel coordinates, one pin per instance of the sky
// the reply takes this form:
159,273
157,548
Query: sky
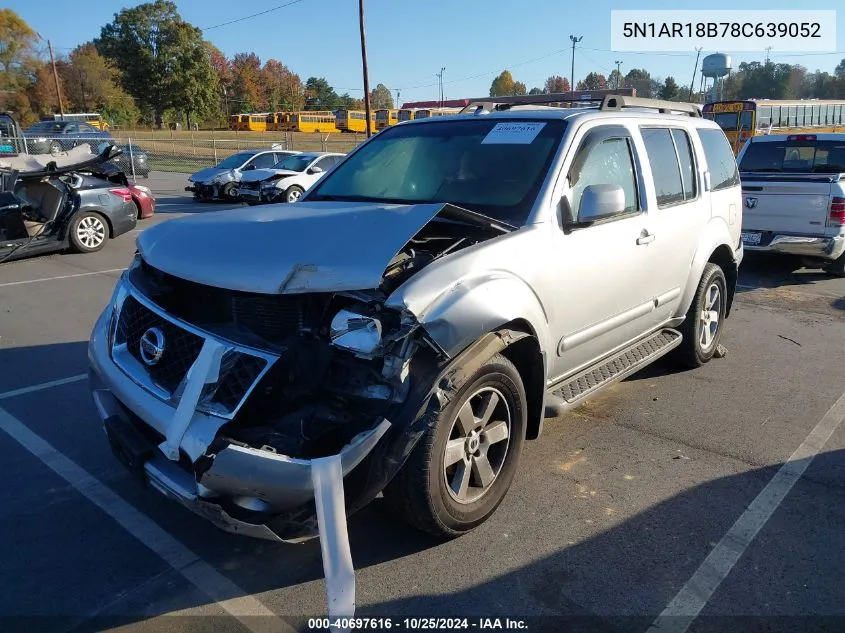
408,42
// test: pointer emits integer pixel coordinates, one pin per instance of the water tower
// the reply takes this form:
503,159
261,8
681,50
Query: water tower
715,67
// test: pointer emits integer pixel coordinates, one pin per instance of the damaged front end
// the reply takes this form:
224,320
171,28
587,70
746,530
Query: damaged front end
222,398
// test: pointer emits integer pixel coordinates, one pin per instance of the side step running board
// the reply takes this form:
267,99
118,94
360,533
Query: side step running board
568,394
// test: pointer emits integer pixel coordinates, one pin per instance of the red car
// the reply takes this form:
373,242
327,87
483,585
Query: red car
144,200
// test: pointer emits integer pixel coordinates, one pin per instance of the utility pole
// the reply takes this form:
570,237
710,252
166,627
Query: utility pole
440,77
397,99
575,40
768,50
618,73
56,78
694,70
364,63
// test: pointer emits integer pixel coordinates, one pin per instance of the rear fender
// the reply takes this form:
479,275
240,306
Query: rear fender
714,244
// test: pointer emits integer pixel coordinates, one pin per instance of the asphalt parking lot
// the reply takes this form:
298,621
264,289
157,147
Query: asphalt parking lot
717,491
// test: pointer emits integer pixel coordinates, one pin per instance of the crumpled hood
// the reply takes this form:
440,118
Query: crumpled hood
205,175
263,174
286,248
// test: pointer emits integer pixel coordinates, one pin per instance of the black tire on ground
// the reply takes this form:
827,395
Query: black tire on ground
56,148
836,267
703,325
229,191
88,232
137,210
424,494
293,193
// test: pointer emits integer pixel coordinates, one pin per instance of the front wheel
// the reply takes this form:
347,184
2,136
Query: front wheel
702,328
837,267
229,191
293,193
55,148
462,467
88,232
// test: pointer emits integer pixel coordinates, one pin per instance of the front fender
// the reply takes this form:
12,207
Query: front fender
714,244
473,306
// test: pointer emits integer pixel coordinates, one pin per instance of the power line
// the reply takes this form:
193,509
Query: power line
254,15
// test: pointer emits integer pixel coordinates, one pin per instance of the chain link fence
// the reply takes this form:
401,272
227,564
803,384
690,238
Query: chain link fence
183,152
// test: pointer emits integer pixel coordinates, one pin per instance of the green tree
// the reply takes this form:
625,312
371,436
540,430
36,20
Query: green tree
615,80
381,98
594,81
670,90
319,95
163,60
19,63
502,85
535,91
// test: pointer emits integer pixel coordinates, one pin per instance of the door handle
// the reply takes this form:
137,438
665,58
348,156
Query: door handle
645,237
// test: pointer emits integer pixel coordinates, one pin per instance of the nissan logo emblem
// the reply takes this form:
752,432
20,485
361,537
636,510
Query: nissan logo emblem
152,346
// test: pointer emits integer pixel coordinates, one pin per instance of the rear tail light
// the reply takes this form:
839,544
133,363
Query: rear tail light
836,216
122,193
801,137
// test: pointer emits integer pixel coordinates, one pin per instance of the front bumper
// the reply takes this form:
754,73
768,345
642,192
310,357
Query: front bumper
244,489
258,195
816,246
203,190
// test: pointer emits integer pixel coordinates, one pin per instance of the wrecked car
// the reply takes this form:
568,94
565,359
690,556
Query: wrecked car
75,201
416,316
287,180
221,181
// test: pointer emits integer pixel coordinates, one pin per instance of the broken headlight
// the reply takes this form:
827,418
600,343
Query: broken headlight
355,332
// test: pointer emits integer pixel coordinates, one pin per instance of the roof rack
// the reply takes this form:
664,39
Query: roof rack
585,97
620,102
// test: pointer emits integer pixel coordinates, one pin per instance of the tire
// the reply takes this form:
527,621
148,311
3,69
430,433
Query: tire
293,193
837,267
229,191
426,493
56,148
702,332
137,211
89,232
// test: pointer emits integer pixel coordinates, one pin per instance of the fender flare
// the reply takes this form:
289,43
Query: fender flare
713,245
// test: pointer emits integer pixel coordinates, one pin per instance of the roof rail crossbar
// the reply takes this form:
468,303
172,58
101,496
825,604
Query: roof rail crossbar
619,102
584,96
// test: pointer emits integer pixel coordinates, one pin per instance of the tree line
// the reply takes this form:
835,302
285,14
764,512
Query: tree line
150,66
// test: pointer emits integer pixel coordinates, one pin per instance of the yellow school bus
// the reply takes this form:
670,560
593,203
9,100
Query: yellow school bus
354,121
277,121
741,120
257,122
385,118
93,119
406,114
315,121
425,113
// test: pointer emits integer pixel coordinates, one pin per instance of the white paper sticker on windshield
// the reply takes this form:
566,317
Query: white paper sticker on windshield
513,133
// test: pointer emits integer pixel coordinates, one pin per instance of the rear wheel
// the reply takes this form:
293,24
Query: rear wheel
293,193
702,327
461,469
88,232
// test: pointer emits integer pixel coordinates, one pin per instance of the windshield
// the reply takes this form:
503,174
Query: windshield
235,160
808,156
489,166
294,163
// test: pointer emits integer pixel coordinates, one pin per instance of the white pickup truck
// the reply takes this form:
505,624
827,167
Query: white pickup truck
793,189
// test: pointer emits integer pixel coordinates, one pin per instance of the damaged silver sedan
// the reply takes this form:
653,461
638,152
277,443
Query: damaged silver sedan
418,313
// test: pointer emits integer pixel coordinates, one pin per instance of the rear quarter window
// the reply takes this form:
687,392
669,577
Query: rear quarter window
720,159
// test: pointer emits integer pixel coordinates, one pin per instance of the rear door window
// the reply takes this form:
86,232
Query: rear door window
665,169
721,162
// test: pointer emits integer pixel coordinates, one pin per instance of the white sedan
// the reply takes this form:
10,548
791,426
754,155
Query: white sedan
288,179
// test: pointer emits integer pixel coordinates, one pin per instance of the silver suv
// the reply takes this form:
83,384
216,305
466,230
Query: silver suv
416,316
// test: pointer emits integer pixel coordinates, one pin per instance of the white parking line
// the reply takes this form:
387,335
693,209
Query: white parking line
33,281
206,578
43,385
694,595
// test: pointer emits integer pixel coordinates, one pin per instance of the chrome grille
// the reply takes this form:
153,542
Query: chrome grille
181,350
241,368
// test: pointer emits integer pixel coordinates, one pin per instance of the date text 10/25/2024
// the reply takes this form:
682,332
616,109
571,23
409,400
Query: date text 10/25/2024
416,624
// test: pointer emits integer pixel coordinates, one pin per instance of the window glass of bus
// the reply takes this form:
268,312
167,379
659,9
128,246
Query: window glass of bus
795,156
726,120
764,117
664,166
745,120
687,160
799,119
792,114
720,159
840,118
448,161
776,120
817,115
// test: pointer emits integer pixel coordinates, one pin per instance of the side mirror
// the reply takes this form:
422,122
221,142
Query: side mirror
316,169
599,202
